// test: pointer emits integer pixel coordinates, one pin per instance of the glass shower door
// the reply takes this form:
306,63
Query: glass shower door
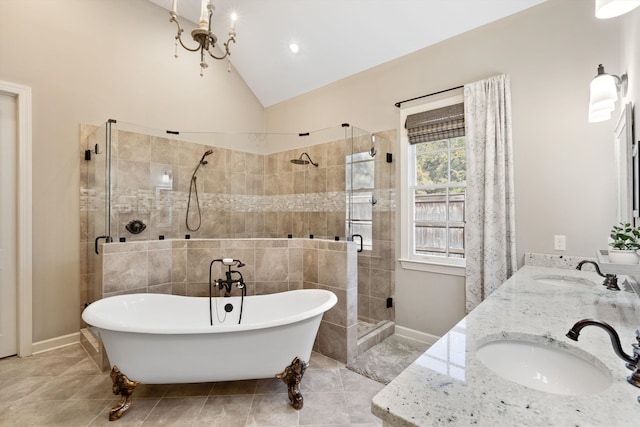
360,185
369,210
98,207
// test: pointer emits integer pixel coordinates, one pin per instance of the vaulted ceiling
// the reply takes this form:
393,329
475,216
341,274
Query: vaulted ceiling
337,38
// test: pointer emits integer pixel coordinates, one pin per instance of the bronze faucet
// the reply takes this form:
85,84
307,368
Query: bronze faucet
633,362
610,280
227,283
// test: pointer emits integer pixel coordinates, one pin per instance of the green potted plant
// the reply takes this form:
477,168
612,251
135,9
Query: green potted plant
625,242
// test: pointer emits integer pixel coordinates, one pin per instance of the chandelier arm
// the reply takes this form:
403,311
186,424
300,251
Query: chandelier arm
218,57
179,35
188,48
226,48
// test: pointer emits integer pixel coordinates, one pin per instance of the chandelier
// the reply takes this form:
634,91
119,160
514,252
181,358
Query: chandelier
203,36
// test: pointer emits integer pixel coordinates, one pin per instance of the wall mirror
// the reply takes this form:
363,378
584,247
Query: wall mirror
626,166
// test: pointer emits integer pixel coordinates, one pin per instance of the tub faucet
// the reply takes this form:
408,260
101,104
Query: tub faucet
610,280
228,282
633,362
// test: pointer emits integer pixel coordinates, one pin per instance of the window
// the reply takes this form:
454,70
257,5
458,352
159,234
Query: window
433,147
438,190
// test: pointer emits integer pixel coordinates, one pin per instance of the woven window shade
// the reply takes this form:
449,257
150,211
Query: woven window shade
433,125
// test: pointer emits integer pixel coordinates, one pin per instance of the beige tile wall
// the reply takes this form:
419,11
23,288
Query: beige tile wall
241,194
181,267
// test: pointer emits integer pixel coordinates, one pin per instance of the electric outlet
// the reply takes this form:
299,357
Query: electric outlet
559,242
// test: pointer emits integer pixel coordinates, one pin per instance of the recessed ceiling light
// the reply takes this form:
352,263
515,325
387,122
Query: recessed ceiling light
294,47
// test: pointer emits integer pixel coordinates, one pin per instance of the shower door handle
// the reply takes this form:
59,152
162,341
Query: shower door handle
353,236
107,240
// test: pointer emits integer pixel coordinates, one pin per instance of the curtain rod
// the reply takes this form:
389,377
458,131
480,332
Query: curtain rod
397,104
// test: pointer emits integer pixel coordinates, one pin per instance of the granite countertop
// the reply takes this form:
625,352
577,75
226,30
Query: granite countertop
448,385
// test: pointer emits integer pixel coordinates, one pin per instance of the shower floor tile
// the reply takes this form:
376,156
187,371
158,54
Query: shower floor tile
63,387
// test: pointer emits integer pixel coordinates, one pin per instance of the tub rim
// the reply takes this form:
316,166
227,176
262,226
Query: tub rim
92,315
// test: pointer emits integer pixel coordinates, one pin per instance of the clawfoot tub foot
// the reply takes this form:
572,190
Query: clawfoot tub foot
292,375
125,388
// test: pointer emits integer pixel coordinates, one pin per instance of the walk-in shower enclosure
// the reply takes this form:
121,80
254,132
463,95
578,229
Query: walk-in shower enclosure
135,185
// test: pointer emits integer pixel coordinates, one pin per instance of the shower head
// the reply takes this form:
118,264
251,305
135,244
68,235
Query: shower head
301,161
206,153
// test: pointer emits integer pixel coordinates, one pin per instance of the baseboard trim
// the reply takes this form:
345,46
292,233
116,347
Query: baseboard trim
416,335
55,343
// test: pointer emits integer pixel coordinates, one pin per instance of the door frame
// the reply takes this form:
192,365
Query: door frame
24,214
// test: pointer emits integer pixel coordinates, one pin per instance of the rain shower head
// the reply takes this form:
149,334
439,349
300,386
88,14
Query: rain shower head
301,161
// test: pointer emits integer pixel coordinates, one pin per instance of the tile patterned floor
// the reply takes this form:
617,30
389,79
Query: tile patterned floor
64,388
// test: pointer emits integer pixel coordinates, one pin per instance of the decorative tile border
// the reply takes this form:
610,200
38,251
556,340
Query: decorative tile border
146,201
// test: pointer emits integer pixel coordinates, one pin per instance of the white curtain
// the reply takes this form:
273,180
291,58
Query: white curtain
490,244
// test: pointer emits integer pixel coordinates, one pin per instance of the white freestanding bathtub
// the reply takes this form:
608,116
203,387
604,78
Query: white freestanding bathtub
159,339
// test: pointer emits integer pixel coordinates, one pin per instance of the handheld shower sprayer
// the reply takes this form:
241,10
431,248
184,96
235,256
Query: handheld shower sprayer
206,153
193,187
200,163
230,262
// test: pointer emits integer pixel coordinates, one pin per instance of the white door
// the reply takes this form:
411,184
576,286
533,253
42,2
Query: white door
8,259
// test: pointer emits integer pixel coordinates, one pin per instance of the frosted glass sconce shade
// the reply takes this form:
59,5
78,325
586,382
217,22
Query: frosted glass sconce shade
603,94
603,91
611,8
599,115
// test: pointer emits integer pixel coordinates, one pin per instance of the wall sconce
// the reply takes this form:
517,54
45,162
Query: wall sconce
611,8
604,94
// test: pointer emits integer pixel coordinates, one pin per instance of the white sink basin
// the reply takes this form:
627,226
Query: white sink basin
545,367
563,281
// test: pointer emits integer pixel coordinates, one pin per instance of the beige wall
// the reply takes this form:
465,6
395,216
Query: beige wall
563,164
86,62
